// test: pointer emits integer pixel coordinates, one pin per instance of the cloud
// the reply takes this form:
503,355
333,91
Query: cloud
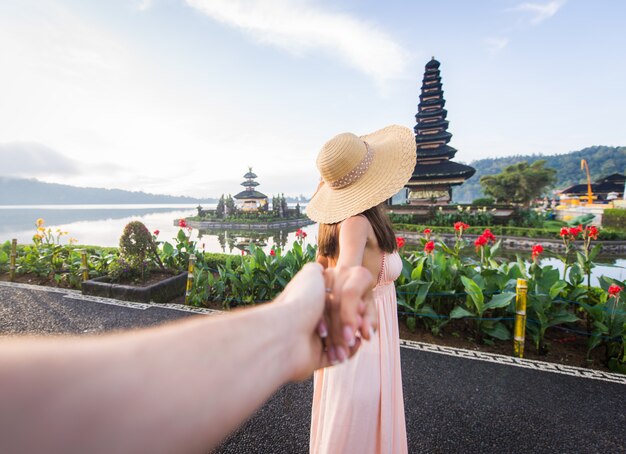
301,27
496,45
142,5
35,160
540,11
29,159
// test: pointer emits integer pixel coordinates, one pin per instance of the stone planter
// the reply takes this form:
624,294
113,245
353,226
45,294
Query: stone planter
159,292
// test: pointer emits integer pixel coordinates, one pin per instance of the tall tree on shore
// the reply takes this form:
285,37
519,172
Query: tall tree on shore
220,207
519,183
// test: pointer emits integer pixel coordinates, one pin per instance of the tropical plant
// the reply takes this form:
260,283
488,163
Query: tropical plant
545,307
176,257
251,278
609,324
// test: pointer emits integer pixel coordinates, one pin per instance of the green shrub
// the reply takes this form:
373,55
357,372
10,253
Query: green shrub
484,202
614,218
136,246
528,218
120,270
213,260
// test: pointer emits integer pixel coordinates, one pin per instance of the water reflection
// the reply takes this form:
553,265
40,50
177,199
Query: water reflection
231,240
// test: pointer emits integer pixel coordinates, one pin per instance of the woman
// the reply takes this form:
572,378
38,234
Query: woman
358,406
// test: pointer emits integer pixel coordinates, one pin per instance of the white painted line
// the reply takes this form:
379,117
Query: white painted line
541,366
77,295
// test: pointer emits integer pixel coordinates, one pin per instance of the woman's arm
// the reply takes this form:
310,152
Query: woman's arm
352,241
176,388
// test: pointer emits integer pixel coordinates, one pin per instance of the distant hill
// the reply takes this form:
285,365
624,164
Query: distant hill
17,191
602,161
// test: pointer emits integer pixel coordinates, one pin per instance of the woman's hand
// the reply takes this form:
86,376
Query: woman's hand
347,309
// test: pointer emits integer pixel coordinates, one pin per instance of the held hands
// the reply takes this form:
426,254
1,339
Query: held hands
332,310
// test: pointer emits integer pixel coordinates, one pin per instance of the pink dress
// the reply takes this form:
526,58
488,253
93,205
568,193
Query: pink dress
358,406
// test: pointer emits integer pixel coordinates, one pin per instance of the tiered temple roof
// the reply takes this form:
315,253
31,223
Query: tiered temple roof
601,188
250,184
434,173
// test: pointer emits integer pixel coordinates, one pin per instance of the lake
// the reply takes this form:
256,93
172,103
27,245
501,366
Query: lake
102,225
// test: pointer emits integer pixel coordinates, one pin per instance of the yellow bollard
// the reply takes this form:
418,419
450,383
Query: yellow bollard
192,266
520,318
12,260
83,265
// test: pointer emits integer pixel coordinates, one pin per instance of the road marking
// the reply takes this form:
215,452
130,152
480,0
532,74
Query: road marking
77,295
541,366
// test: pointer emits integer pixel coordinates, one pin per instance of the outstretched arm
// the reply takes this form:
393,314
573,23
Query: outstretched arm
176,388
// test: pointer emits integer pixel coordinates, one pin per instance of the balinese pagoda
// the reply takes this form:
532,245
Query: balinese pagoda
250,199
434,173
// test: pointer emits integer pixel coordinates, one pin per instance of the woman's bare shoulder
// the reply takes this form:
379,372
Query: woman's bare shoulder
355,224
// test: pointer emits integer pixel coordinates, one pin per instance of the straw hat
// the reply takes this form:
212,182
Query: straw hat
359,173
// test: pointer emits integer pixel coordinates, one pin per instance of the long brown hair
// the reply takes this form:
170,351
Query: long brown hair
328,234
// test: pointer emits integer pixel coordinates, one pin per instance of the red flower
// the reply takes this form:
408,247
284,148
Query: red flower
300,234
400,242
182,223
243,252
427,231
574,231
564,231
273,253
537,249
592,232
156,232
614,290
489,236
429,247
480,241
460,226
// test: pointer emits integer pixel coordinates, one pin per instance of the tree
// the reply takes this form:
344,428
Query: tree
283,206
220,207
229,204
519,183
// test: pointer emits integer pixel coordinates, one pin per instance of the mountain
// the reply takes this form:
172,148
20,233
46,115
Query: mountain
18,191
602,162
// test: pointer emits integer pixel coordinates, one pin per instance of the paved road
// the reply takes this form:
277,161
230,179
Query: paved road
453,404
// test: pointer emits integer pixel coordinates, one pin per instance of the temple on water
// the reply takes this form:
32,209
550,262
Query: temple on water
434,173
250,199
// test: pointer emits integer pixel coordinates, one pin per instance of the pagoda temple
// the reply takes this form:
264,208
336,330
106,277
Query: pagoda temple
434,173
250,199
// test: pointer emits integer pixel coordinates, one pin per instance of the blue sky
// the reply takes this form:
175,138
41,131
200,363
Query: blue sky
180,96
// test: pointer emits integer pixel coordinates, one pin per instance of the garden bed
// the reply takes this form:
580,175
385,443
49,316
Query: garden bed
564,348
159,288
33,279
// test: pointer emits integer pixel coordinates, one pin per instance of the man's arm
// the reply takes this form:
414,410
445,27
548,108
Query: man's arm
176,388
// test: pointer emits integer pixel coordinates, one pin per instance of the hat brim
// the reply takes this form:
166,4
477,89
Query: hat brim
391,168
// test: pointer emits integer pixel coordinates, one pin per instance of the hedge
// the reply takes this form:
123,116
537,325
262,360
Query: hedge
615,218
